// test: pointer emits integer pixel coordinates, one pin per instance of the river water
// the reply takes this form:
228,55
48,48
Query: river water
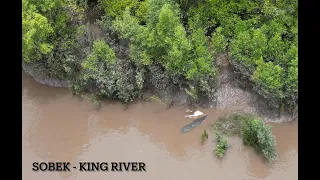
58,126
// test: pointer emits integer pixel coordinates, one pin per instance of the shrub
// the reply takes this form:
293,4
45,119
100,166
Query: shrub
106,76
230,125
222,145
253,131
258,135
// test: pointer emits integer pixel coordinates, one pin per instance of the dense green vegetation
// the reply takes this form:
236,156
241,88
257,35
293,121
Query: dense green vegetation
50,30
258,135
164,45
253,131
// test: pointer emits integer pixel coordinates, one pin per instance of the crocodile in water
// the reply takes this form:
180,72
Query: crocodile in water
193,124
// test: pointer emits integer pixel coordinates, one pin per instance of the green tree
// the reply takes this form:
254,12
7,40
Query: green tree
171,36
248,47
202,60
49,40
218,41
107,77
271,45
36,29
201,16
269,78
115,8
102,55
291,82
142,11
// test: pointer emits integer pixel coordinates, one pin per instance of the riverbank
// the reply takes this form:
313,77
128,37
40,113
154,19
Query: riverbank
229,95
43,79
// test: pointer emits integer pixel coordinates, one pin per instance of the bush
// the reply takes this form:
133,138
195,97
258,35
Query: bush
258,135
230,125
253,131
106,76
222,145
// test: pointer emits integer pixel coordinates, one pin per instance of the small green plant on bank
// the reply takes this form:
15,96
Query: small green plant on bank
156,98
192,92
96,100
253,131
204,136
222,145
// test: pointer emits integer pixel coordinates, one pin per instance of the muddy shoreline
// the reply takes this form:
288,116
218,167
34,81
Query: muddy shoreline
58,126
43,79
229,95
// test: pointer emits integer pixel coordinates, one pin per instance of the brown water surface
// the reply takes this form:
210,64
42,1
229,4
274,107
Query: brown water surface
60,127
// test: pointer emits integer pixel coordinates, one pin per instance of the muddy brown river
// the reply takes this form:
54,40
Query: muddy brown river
58,126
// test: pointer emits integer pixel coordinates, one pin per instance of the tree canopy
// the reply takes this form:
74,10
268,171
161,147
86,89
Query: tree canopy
166,44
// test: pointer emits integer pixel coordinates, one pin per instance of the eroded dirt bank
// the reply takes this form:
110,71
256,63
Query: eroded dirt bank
43,79
60,127
232,96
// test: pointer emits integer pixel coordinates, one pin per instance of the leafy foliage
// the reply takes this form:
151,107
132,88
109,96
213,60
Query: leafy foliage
264,52
115,8
165,41
269,77
36,30
222,145
50,34
105,76
142,11
258,135
254,133
168,45
218,41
